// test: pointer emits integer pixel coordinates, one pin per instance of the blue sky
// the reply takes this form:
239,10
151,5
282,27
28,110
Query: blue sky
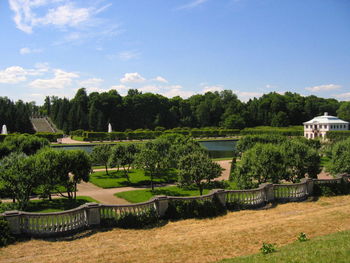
174,47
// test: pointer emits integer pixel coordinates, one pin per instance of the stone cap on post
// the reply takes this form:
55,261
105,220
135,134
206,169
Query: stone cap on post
13,219
92,213
162,204
220,194
269,193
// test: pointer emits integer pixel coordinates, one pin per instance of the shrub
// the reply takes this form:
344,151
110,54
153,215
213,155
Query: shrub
182,209
78,133
267,248
131,220
331,189
6,237
302,237
338,135
50,136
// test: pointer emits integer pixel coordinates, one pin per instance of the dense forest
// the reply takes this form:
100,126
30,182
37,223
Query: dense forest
139,110
16,115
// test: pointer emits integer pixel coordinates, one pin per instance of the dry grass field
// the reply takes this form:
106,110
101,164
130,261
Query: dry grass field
209,240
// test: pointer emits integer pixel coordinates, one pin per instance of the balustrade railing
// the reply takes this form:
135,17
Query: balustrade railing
50,224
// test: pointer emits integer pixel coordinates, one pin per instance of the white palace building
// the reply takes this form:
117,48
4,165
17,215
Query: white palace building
319,126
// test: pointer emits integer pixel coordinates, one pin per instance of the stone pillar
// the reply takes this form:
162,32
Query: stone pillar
220,194
309,185
13,218
269,193
346,178
162,204
93,214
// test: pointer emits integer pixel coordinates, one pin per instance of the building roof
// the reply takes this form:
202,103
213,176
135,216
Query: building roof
326,119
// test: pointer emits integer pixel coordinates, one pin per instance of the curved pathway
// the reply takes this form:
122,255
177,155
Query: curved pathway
106,196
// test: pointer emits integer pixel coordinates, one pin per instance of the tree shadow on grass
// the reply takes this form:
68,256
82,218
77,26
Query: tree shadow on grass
55,204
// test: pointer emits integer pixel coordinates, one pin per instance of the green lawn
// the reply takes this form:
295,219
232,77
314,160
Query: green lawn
143,195
46,206
333,248
137,178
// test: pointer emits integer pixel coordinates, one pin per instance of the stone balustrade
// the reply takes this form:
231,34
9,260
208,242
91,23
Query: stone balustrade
91,214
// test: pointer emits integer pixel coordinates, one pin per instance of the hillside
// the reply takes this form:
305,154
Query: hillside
210,240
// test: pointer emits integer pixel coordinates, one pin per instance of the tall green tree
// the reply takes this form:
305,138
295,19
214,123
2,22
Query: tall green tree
198,169
260,164
100,155
340,158
124,156
344,111
20,176
301,160
153,158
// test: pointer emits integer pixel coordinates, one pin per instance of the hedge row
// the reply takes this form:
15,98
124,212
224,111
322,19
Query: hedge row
338,135
288,131
145,134
50,136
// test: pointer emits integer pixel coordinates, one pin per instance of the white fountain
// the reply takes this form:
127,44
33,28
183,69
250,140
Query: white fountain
109,127
4,129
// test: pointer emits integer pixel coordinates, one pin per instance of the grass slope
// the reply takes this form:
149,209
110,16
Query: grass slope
333,248
206,240
116,178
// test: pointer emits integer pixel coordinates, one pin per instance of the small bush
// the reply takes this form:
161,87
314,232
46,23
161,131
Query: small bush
330,189
302,237
182,209
268,248
134,221
6,237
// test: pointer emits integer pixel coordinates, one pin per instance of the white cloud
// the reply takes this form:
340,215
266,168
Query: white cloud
66,16
122,89
27,50
160,79
149,88
176,90
132,78
16,74
60,80
13,74
212,88
58,13
91,83
323,87
192,4
343,96
128,55
246,95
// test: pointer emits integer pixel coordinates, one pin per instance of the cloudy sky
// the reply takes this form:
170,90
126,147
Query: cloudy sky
174,47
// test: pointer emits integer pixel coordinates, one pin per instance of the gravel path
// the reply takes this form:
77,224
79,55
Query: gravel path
106,196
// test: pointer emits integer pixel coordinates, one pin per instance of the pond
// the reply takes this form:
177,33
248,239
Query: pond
217,149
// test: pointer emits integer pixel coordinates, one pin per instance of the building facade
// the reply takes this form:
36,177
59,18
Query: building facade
319,126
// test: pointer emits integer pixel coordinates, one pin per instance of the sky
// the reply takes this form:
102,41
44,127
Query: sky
174,47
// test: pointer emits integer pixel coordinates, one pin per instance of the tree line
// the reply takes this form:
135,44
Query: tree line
137,110
16,115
